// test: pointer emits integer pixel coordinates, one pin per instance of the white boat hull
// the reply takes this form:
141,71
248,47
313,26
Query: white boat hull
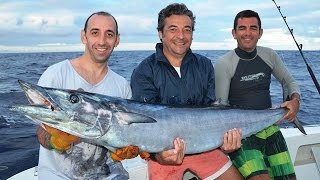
304,151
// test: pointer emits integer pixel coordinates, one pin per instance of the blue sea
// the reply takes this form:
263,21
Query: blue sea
18,142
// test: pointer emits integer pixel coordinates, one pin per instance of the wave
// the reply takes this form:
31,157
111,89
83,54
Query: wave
13,97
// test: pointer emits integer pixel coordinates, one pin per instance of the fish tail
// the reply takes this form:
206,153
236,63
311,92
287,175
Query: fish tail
297,123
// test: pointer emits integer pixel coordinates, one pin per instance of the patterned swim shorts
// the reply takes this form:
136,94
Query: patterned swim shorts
264,153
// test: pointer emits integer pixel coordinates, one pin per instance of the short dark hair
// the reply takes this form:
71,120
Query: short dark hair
174,9
100,13
246,14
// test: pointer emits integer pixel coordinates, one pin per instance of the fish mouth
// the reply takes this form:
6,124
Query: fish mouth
46,108
38,96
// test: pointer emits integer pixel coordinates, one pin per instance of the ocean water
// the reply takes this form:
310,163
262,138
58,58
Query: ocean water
18,142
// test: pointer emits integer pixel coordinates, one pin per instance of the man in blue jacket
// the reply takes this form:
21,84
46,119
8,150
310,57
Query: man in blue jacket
175,75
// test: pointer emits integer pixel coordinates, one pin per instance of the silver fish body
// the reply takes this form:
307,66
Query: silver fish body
202,129
114,122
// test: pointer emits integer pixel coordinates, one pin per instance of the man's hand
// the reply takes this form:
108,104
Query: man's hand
231,140
173,156
293,106
59,140
145,155
127,152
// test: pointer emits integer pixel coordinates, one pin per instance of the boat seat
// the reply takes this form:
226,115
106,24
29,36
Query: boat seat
316,155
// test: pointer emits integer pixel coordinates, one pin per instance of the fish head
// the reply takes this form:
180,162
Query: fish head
75,112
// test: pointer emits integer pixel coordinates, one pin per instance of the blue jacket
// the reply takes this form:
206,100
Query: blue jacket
156,81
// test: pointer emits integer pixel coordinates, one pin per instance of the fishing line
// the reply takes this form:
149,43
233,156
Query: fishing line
300,49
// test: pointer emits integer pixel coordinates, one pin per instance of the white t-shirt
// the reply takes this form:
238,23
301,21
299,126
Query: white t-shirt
178,70
85,161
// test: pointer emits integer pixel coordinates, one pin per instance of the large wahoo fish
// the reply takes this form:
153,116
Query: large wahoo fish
114,122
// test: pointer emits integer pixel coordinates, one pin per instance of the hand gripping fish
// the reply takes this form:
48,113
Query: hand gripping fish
115,123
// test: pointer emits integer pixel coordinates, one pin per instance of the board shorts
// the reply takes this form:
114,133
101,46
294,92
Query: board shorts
207,165
264,153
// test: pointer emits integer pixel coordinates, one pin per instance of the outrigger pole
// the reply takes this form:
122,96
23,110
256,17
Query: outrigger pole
300,50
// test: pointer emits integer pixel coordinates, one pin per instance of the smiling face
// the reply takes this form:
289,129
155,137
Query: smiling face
247,33
176,36
100,37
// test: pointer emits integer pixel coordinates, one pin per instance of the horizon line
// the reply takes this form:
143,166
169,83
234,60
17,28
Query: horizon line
62,47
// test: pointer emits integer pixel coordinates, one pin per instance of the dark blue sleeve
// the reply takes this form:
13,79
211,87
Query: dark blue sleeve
210,96
142,84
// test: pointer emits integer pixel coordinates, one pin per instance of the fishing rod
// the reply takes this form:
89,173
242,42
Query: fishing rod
300,50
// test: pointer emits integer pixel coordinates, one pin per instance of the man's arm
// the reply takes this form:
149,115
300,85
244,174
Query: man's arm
223,75
282,74
51,138
293,105
296,97
210,96
222,81
142,85
43,137
290,89
231,140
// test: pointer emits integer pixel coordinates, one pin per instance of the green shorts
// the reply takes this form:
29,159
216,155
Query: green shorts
264,153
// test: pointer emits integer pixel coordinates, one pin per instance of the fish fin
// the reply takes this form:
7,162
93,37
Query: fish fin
297,123
126,118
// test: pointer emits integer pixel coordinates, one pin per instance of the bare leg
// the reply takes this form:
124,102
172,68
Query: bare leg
261,177
231,173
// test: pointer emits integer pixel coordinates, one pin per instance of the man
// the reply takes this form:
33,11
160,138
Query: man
243,78
174,75
64,156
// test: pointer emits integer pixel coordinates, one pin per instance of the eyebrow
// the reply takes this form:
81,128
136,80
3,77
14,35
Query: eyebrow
96,29
242,26
172,26
187,26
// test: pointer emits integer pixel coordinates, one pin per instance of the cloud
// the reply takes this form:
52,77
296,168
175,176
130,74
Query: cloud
41,23
134,24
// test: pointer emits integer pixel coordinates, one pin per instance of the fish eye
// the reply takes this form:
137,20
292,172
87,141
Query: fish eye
73,98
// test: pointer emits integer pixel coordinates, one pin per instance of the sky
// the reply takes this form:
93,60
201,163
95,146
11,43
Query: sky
55,25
